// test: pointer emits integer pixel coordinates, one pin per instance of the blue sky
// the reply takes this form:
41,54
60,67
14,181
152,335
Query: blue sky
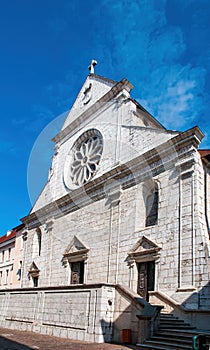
161,46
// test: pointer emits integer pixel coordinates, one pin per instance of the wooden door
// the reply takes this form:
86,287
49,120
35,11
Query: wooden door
77,272
146,279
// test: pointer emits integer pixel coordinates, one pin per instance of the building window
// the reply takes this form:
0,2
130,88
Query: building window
152,207
19,271
39,239
83,160
37,243
77,272
0,278
2,255
35,281
9,253
6,277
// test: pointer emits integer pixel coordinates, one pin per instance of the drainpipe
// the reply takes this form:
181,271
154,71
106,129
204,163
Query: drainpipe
192,227
110,245
206,198
179,231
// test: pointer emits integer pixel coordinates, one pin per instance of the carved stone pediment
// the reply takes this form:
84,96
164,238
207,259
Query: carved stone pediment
33,270
76,251
144,250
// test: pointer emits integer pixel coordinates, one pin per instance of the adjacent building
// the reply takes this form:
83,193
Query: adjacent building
11,258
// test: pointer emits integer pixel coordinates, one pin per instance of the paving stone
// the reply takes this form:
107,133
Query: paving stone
20,340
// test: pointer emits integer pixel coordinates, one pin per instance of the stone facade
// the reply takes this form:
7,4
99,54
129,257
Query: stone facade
126,202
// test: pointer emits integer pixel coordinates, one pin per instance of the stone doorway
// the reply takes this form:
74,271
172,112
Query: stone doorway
146,278
77,272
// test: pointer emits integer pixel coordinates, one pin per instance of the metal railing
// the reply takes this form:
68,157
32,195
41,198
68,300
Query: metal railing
199,342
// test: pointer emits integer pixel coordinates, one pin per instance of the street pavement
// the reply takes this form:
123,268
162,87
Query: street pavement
19,340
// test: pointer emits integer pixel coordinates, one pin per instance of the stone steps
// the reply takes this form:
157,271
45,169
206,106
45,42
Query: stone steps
173,334
166,345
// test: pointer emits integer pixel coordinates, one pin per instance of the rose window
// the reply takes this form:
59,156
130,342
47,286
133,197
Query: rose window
83,160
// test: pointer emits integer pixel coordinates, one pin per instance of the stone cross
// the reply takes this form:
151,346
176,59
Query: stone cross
91,66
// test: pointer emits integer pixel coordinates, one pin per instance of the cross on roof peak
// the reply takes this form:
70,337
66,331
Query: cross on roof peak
91,66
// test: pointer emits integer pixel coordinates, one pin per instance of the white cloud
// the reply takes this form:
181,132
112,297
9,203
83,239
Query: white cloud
151,50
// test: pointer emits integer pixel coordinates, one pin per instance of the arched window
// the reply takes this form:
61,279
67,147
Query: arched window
39,239
151,202
37,243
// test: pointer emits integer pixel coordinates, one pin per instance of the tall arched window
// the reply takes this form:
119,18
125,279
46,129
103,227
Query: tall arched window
39,239
151,202
37,243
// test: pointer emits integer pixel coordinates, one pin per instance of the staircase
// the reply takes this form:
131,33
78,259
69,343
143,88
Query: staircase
173,334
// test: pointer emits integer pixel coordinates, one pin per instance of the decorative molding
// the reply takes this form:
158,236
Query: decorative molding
113,193
24,235
123,84
76,251
83,160
47,227
151,163
144,250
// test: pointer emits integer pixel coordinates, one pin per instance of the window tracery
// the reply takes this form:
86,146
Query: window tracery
152,208
151,199
84,159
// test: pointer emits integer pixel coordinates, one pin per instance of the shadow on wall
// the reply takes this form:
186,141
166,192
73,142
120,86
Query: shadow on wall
122,336
194,300
133,321
107,330
192,306
8,344
120,318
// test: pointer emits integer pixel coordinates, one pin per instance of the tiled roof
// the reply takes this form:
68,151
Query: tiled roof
7,237
205,153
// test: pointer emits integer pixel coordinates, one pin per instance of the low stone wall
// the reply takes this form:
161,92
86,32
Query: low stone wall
96,313
71,312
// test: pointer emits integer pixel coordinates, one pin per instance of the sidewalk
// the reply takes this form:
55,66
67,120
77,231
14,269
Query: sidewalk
18,340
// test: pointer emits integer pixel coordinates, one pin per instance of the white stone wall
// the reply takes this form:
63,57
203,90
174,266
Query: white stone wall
122,142
110,233
61,312
87,313
114,222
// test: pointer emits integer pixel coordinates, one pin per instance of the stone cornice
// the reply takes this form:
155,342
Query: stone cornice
71,287
123,84
149,164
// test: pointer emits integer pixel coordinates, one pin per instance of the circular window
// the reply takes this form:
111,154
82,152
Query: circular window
84,159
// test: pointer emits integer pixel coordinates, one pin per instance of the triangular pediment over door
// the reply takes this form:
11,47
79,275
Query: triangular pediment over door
76,251
144,250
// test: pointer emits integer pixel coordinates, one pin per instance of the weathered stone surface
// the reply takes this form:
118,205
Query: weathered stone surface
108,213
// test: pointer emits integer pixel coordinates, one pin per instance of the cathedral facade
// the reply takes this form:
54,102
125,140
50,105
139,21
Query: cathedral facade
126,205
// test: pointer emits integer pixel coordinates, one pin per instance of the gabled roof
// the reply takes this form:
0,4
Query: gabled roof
147,114
102,94
94,87
204,152
106,80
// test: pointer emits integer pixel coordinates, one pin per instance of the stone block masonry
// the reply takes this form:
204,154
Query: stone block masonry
85,313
